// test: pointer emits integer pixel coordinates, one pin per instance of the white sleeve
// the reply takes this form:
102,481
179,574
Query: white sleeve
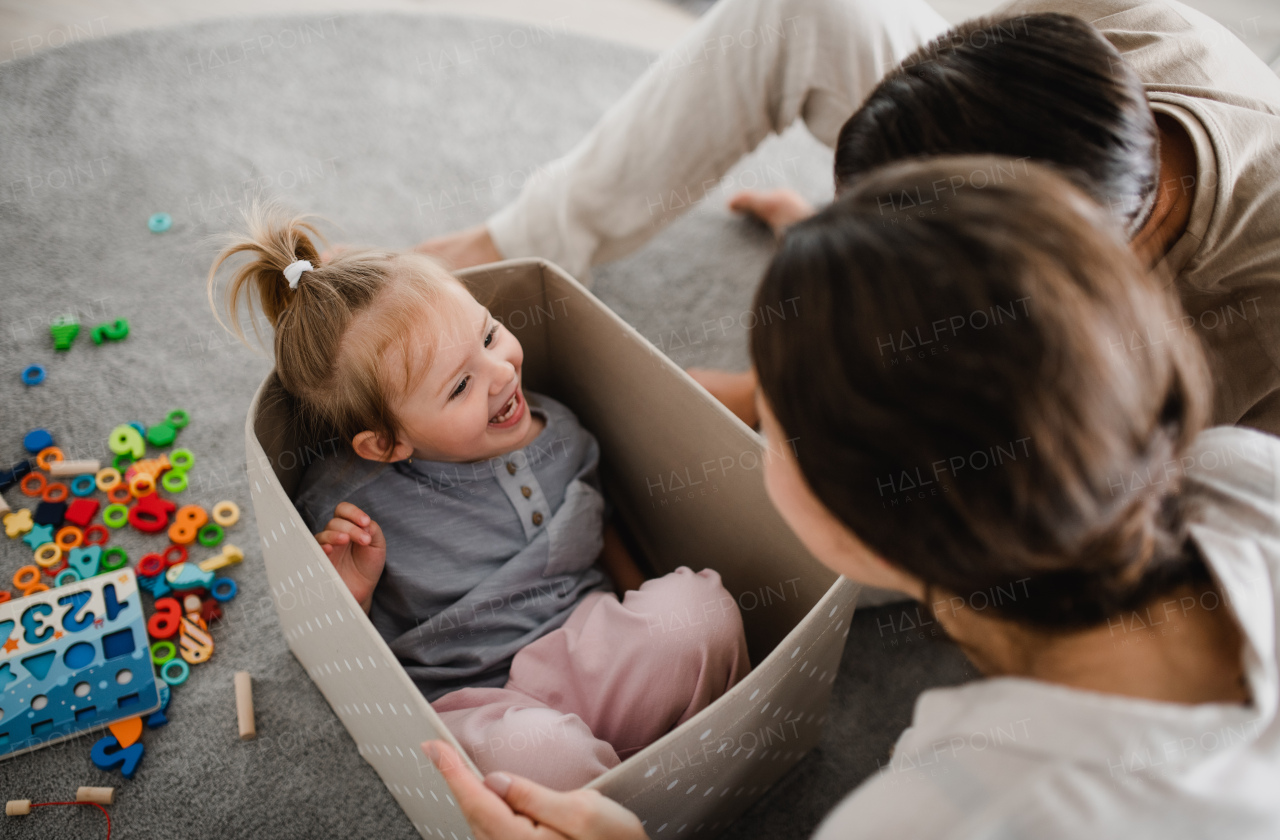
748,68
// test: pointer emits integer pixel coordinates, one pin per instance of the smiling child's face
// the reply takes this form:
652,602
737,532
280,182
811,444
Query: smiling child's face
470,404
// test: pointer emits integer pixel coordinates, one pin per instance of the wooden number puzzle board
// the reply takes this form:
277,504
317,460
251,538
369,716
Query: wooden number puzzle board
73,659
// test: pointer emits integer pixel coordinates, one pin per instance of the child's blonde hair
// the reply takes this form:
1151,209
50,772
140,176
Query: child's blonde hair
336,373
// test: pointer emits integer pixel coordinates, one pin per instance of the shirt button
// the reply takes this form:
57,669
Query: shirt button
537,518
511,467
526,491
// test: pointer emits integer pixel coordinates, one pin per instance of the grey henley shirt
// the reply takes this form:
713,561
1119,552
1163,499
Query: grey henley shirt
482,557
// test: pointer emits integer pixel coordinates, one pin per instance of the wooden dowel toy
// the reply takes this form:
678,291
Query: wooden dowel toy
4,506
101,795
65,468
244,706
17,807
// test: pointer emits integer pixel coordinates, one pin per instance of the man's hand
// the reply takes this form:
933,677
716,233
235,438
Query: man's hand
506,807
462,249
357,549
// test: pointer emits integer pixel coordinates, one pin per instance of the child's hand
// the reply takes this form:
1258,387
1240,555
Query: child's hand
357,549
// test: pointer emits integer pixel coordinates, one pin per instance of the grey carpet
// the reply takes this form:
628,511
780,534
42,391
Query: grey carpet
394,128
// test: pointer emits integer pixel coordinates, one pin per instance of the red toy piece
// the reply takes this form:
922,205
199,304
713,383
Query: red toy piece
151,565
53,571
151,513
96,534
210,611
81,512
164,622
175,554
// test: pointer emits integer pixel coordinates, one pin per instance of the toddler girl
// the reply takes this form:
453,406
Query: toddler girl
478,551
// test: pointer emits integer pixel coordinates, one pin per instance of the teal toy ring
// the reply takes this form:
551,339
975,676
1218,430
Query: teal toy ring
184,671
159,222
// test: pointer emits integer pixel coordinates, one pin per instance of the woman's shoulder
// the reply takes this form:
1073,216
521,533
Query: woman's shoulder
1234,474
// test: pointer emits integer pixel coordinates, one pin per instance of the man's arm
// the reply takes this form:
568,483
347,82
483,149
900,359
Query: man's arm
747,69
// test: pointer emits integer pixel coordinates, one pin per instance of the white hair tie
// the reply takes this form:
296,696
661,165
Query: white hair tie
294,271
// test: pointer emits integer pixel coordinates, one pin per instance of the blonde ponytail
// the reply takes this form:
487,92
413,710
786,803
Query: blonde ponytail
338,376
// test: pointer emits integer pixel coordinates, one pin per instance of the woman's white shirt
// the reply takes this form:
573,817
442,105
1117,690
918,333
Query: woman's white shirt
1018,758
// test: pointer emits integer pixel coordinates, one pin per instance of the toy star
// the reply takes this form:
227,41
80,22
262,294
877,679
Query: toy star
39,535
10,646
18,522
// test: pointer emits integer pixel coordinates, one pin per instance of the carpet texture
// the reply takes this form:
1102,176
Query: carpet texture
393,128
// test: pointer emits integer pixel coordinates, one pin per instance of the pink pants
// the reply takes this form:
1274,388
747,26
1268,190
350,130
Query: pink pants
614,678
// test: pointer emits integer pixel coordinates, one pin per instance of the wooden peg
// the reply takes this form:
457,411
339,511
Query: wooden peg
17,807
244,706
65,468
100,795
229,557
4,506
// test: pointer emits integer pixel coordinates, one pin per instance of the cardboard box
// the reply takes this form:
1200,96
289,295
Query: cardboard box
686,477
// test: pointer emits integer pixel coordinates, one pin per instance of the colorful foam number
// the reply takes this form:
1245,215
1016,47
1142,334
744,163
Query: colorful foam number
187,523
116,330
64,330
150,514
85,560
195,645
81,660
165,620
20,522
126,440
107,753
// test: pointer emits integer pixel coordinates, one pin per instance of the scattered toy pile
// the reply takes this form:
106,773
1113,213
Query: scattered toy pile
51,636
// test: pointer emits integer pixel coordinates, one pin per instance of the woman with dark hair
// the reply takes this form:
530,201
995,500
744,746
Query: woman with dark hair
1048,491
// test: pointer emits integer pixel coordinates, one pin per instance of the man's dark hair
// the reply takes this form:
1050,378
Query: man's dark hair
1044,86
